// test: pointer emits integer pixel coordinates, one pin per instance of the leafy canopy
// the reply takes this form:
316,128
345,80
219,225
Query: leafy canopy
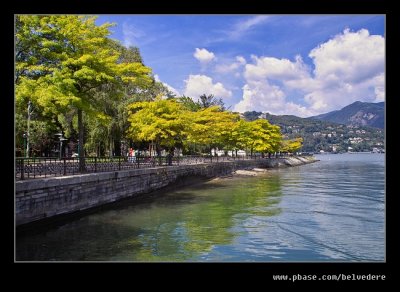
162,121
62,59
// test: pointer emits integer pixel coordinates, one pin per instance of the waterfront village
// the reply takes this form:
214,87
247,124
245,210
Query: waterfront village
326,137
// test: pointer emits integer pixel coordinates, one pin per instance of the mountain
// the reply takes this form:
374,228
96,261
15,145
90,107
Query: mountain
324,135
357,114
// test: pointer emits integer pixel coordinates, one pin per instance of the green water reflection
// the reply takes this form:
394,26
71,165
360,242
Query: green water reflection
191,221
180,225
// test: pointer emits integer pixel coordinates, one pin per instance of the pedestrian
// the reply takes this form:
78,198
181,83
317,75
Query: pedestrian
130,158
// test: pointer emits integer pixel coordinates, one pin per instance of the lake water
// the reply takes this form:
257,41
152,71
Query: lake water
331,210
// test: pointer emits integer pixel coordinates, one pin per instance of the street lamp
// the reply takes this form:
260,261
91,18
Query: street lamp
61,141
30,111
24,135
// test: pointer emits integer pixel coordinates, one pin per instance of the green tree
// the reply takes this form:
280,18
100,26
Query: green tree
241,137
211,127
189,103
206,101
39,139
263,137
162,121
62,62
291,145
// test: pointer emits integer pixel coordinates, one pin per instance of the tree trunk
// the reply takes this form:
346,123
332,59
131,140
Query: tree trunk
81,151
117,146
111,145
158,149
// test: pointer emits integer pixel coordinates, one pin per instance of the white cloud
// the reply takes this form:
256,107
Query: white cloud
204,56
231,68
379,82
197,85
276,69
170,88
347,68
241,60
225,68
131,34
262,96
350,57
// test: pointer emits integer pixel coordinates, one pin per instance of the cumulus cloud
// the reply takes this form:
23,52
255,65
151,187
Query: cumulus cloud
350,57
262,96
204,56
347,68
197,85
276,69
379,84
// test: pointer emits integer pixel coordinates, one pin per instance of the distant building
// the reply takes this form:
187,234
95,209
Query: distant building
355,140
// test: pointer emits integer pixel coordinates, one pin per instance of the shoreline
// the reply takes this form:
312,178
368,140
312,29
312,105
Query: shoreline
287,162
44,200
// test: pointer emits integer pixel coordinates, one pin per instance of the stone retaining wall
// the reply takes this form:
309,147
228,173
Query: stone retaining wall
43,198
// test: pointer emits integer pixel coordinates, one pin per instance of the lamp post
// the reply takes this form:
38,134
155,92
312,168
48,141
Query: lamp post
61,142
24,135
60,136
30,110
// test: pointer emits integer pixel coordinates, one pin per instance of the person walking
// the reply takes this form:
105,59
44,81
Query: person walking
131,153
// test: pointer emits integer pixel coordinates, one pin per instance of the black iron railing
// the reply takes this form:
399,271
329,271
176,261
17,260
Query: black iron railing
41,167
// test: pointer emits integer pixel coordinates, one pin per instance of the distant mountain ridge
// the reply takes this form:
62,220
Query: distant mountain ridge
324,135
357,114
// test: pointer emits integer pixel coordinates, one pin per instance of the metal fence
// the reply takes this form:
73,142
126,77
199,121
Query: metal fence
41,167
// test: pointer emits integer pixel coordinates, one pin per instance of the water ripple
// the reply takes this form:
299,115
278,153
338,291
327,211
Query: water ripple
333,210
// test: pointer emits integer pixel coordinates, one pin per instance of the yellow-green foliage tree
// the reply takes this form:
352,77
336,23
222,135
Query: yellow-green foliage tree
264,137
162,121
291,145
211,127
61,62
170,123
257,135
240,136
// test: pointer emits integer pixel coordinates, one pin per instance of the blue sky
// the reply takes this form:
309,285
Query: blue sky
282,64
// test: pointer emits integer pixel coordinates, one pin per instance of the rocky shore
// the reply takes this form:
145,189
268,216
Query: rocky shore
277,163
